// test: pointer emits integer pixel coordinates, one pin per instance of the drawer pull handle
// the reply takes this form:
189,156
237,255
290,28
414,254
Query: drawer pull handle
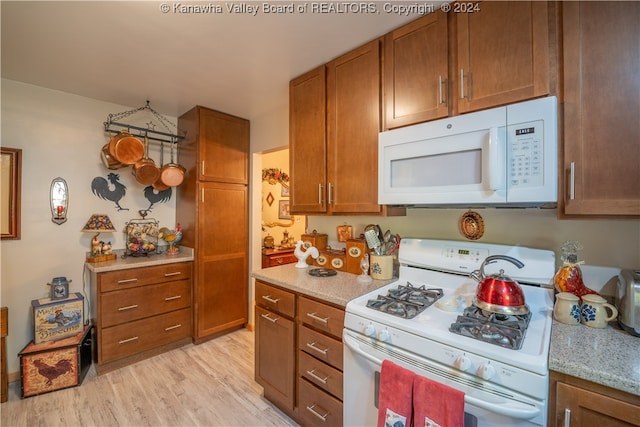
319,350
127,340
269,299
129,307
324,320
173,297
312,409
120,282
168,328
177,273
312,373
279,260
269,318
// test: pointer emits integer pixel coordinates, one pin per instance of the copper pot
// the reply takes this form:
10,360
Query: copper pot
126,148
145,170
109,161
159,185
499,293
172,174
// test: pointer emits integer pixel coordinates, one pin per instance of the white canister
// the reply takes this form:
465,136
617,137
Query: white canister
567,308
594,311
382,267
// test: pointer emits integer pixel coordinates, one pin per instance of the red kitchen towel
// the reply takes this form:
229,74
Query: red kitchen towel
395,404
436,405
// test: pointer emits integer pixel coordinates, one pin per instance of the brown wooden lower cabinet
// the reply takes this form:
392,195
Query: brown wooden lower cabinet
578,403
298,357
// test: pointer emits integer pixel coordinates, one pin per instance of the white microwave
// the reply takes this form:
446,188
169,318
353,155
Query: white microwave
505,156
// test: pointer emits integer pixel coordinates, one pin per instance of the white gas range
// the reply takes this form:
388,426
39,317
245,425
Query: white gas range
505,381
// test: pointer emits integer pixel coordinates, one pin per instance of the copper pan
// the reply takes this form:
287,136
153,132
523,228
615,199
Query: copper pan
159,185
145,170
108,160
172,174
126,148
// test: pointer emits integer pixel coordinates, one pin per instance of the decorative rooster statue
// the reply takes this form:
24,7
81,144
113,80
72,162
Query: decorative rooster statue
172,237
100,188
303,255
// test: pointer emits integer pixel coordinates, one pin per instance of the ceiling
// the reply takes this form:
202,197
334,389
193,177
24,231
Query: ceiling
128,52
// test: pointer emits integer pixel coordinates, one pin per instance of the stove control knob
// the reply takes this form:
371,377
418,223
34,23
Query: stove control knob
462,362
486,371
384,335
370,330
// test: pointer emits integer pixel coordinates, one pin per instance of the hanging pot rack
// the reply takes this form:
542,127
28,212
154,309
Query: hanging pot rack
114,125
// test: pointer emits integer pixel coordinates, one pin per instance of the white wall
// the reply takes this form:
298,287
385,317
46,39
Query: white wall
60,135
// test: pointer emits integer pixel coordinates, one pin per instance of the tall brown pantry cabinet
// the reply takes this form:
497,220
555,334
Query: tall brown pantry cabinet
212,208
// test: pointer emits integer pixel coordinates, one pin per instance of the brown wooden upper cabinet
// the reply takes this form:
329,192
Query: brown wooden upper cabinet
502,54
334,125
601,107
416,72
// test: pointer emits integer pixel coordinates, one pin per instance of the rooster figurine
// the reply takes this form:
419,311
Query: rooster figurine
101,188
303,255
172,237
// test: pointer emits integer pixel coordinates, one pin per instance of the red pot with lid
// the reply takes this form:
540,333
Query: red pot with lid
498,293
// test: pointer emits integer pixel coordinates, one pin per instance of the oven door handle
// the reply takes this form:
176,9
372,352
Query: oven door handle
508,409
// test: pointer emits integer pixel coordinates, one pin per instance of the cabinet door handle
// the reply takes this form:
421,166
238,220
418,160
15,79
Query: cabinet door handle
572,181
312,409
168,328
269,299
202,168
330,198
175,273
440,91
324,320
567,417
461,83
173,297
120,282
312,373
312,345
129,307
127,340
269,318
320,194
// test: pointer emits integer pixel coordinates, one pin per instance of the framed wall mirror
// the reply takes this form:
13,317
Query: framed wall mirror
11,181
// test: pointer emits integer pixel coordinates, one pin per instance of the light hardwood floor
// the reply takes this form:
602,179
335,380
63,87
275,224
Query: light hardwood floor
210,384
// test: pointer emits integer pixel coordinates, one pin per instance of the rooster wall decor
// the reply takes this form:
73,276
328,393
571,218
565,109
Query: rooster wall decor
154,196
110,189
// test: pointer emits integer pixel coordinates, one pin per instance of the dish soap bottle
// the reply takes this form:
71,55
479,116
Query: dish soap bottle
569,276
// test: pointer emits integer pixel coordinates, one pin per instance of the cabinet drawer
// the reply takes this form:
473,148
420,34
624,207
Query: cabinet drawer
324,376
275,299
316,407
320,346
132,304
130,278
276,260
321,316
134,337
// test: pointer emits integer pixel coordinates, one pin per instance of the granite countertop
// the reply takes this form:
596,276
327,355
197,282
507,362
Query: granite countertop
123,263
338,289
609,356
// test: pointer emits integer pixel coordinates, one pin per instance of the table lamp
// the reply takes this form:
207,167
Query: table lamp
99,223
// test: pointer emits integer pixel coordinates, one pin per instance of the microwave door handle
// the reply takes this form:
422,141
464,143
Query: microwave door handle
495,163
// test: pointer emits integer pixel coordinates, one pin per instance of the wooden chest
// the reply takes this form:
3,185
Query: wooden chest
55,319
55,365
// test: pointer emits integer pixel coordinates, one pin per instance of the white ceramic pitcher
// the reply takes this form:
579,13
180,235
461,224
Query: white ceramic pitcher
594,311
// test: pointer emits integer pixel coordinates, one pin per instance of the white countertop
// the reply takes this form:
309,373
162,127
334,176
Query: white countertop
123,263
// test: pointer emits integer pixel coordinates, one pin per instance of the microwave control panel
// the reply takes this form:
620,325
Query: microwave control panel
525,157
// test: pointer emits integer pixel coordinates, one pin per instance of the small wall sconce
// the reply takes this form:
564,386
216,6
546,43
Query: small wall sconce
59,200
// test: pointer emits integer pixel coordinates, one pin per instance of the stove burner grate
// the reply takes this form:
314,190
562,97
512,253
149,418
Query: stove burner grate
504,330
406,301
